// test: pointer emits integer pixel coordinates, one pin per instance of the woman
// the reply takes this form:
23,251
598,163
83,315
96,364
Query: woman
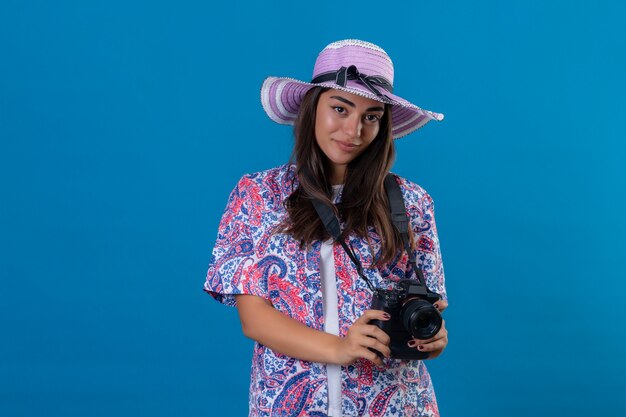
298,292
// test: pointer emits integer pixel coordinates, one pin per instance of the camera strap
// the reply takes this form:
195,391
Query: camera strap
399,219
331,223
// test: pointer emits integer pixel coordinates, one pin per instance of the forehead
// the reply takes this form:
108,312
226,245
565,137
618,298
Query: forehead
359,101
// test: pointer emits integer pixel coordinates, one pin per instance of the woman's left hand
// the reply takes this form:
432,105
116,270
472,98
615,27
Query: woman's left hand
436,344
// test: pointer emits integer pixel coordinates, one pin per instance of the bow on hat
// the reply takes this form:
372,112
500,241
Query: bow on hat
343,74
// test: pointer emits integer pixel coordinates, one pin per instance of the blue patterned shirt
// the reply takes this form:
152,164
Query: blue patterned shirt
249,257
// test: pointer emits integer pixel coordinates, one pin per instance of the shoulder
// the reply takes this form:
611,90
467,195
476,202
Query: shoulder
277,174
274,184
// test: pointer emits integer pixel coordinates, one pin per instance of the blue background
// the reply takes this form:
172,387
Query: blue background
124,126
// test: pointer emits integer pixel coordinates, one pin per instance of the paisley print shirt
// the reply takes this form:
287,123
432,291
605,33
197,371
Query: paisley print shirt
249,257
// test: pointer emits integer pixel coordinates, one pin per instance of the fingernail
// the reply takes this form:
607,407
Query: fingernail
387,316
411,343
420,347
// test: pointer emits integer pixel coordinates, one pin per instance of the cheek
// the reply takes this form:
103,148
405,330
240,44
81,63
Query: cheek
372,132
325,122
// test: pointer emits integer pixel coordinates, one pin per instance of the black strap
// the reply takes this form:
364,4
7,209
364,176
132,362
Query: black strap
343,74
399,219
331,223
328,217
398,210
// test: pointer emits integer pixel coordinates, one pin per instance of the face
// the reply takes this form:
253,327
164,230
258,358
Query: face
345,125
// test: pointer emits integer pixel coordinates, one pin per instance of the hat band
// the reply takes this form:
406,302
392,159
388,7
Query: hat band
343,74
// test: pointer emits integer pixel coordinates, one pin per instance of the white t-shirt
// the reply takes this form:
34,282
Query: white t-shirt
331,316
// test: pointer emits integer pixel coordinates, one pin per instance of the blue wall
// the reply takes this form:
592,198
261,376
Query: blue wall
123,127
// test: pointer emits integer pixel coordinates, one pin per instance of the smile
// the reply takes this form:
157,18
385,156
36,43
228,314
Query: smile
346,146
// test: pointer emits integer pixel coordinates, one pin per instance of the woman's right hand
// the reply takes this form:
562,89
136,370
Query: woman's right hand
361,336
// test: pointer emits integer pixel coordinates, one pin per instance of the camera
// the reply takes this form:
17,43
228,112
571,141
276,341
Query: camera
410,305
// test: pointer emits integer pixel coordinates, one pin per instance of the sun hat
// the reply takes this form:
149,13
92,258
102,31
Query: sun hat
350,65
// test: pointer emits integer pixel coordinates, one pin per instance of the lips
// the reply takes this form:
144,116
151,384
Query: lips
346,146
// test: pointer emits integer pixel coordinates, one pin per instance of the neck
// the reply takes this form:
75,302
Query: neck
338,174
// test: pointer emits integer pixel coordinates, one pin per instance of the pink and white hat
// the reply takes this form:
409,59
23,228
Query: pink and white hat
353,66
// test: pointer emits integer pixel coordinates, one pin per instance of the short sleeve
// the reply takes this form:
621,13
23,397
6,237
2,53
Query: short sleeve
233,266
428,247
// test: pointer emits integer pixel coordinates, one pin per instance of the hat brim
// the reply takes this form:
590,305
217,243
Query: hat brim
281,98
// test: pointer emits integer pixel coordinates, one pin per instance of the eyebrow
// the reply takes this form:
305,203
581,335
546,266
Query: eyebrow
351,104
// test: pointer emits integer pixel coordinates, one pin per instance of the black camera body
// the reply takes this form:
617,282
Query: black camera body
410,305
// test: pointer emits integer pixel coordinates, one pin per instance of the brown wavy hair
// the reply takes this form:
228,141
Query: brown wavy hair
364,201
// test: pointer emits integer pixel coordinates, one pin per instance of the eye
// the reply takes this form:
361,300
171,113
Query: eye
339,109
372,118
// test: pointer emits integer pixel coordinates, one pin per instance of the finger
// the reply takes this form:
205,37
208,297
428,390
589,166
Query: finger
371,356
376,332
434,346
370,315
384,349
441,305
375,344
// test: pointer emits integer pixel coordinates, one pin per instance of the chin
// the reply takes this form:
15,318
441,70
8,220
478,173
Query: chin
340,161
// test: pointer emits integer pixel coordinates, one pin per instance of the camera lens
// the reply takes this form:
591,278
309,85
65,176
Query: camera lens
420,318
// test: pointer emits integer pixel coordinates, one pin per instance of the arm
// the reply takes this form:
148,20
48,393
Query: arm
432,255
260,321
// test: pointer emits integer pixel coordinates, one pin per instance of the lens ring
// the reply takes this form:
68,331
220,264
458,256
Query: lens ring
420,319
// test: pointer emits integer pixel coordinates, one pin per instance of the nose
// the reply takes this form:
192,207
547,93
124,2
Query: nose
352,126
